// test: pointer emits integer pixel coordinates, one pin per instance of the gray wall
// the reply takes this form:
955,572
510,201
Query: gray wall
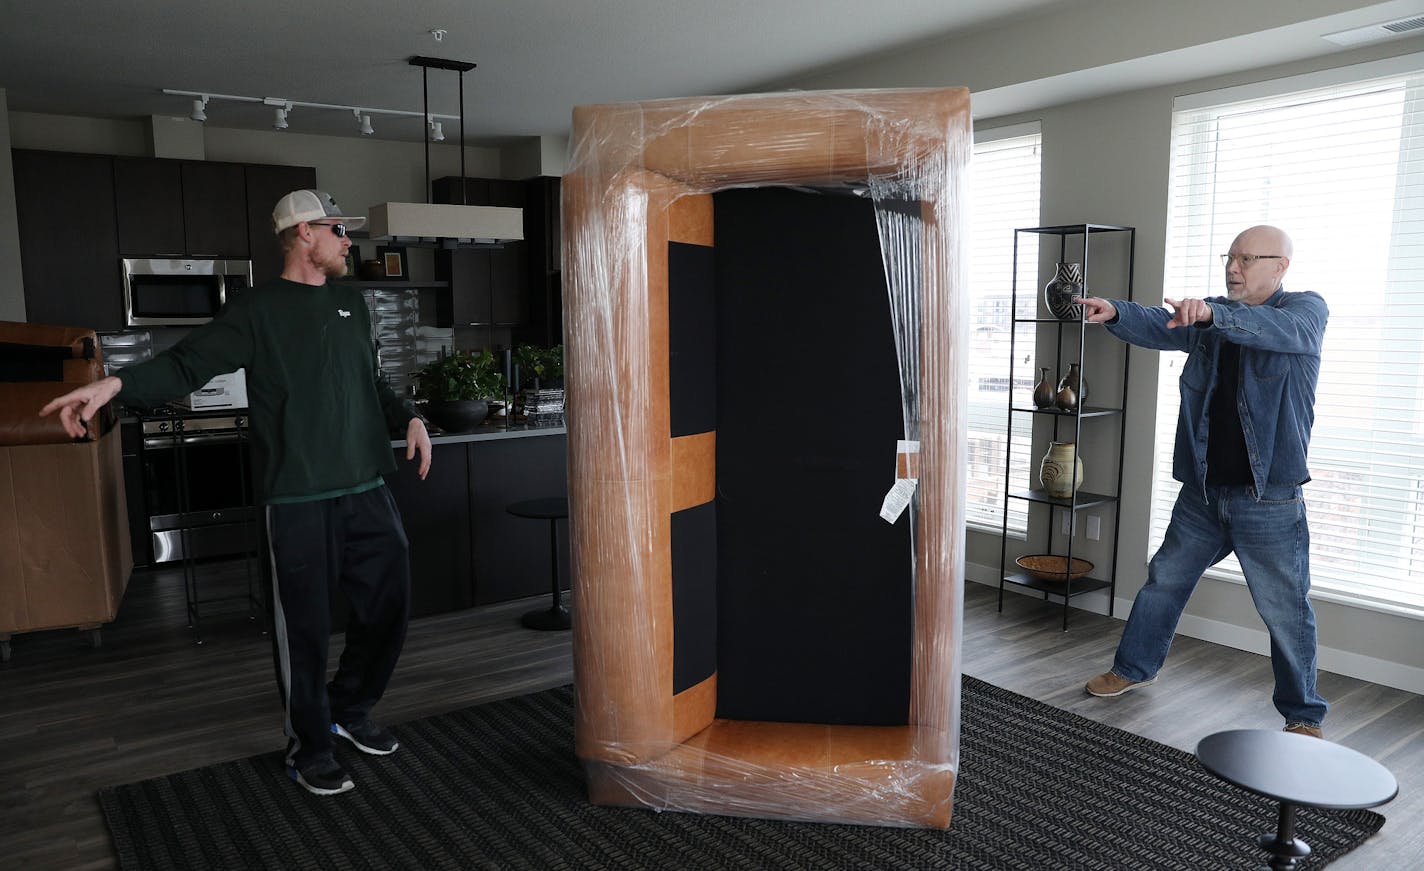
1107,160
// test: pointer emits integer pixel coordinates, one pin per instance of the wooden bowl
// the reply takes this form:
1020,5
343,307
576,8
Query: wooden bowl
1053,567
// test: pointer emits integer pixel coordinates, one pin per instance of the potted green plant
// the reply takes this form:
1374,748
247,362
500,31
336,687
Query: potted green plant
540,368
457,388
541,374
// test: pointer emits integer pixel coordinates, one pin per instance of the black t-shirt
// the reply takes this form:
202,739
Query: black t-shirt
1226,460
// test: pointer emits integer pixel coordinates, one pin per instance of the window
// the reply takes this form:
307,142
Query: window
1339,166
1004,195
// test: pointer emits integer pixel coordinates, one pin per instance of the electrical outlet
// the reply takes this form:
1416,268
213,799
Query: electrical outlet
1095,527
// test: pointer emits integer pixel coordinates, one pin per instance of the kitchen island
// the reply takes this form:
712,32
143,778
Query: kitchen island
465,550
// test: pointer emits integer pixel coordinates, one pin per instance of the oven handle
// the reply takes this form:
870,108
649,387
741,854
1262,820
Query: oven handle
199,438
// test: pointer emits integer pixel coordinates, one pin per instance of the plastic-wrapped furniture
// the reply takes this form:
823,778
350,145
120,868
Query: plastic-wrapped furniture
751,636
65,555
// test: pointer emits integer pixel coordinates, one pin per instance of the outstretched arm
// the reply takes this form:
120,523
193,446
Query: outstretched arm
78,407
1096,310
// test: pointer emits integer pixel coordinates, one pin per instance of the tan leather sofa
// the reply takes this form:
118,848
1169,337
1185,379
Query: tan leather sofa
65,555
639,185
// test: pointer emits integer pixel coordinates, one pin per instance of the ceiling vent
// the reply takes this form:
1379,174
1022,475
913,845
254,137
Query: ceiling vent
1377,32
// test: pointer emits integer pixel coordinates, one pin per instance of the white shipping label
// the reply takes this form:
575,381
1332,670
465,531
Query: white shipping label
898,499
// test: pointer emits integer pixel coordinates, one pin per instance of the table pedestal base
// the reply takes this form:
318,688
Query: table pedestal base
556,617
1285,848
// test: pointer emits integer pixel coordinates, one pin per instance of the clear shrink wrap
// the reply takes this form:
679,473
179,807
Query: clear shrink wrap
663,603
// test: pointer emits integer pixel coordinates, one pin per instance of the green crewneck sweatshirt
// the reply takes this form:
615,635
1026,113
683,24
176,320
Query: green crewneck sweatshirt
321,412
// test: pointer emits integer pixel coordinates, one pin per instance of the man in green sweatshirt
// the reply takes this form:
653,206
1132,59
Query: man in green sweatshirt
321,417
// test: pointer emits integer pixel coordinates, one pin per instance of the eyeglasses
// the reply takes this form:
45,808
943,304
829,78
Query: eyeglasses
338,229
1247,259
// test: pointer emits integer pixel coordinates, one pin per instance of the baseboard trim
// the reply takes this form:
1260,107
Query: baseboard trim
1344,662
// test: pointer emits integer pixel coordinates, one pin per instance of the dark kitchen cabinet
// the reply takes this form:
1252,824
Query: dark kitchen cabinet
215,209
543,324
487,286
69,248
265,185
436,514
180,208
149,198
511,554
465,548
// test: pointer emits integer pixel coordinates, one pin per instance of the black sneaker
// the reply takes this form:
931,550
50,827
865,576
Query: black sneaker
323,777
367,737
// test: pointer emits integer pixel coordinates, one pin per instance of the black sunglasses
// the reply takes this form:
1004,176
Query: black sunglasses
338,229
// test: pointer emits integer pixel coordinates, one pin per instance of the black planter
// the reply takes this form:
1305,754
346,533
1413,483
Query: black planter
457,415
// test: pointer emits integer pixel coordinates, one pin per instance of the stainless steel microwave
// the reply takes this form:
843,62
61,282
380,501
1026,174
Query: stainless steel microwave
180,292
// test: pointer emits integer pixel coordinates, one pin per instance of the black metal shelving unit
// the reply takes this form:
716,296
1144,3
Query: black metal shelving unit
1080,234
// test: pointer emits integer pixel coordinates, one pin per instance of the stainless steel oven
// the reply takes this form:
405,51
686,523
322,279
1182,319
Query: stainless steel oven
197,485
162,292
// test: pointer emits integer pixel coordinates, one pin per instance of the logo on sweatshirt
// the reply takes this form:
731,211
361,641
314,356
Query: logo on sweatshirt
343,312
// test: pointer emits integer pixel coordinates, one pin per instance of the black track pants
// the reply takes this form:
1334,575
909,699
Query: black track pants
356,544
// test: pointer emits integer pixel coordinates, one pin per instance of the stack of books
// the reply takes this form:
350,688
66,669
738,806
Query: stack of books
544,407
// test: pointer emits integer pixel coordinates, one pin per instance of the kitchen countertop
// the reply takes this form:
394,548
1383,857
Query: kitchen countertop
487,432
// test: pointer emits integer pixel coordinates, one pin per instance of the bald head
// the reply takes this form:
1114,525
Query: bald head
1263,254
1265,239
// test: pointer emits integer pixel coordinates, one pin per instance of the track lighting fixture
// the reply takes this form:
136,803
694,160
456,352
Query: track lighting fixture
282,107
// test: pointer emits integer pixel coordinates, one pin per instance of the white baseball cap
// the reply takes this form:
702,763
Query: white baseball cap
309,205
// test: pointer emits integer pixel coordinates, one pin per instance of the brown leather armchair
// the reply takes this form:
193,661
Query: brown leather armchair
65,556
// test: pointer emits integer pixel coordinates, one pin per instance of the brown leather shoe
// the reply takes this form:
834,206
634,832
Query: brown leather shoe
1107,685
1304,729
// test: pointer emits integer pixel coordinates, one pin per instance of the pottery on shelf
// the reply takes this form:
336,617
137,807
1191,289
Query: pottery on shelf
1043,391
1058,293
1054,471
1065,399
1077,382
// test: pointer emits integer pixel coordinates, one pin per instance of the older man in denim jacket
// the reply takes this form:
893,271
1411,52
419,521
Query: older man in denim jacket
1248,396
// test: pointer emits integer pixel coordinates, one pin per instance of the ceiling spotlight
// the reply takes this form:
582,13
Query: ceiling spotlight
366,128
198,106
280,122
436,133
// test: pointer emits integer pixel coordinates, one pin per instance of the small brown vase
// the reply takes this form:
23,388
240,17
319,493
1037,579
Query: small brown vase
1065,399
1075,380
1043,392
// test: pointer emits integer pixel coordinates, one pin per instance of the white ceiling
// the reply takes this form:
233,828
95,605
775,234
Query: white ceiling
536,58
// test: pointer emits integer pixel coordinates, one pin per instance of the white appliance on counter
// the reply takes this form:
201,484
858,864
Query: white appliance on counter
224,391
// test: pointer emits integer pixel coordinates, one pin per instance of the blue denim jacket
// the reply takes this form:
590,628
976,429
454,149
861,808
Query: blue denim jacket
1280,361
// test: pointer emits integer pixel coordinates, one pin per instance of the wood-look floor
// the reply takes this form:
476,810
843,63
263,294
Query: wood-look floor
150,702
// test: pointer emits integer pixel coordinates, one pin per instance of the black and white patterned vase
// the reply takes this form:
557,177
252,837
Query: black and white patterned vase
1058,294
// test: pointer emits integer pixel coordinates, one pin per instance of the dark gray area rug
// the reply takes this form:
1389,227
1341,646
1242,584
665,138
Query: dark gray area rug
497,786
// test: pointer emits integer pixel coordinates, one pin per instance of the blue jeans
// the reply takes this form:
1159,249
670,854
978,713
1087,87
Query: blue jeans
1272,542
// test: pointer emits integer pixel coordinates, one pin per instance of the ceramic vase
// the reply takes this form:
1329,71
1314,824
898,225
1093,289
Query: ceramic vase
1058,294
1043,392
1077,382
1061,470
1065,399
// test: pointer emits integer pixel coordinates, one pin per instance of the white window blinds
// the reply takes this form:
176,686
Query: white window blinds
1341,169
1004,195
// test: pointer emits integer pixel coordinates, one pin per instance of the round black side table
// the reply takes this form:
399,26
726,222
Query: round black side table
1297,771
556,616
